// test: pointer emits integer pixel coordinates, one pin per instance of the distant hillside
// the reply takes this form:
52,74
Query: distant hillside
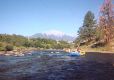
58,37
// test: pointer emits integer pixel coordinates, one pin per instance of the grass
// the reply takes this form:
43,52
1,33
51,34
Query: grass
107,48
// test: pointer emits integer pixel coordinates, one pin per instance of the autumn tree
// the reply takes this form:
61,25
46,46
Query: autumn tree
106,21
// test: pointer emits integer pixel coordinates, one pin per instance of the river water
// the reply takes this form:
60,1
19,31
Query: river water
55,65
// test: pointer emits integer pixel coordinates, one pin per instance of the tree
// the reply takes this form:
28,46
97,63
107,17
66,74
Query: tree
87,31
106,21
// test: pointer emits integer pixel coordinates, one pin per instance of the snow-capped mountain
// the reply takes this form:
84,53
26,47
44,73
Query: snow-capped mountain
55,35
55,32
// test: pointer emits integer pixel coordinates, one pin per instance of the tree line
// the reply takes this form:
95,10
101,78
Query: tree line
9,42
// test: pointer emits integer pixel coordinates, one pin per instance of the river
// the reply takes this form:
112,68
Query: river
56,65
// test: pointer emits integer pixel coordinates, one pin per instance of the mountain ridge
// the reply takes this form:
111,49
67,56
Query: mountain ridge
57,37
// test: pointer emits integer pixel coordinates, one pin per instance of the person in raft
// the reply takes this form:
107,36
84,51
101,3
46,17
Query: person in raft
78,49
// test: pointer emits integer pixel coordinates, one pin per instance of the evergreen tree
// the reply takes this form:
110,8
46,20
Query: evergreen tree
87,31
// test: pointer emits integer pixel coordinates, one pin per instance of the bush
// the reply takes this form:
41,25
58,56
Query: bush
98,44
1,48
9,48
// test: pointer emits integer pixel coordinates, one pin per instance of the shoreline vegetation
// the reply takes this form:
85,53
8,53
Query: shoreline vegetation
17,45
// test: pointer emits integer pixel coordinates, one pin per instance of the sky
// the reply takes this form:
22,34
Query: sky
28,17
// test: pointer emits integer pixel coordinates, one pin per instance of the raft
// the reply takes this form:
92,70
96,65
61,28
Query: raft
76,53
73,53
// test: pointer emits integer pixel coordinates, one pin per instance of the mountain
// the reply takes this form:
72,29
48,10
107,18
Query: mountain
55,35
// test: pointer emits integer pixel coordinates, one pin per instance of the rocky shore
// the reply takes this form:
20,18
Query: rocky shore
19,52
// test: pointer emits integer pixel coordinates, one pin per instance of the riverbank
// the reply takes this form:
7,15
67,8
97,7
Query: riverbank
22,52
18,52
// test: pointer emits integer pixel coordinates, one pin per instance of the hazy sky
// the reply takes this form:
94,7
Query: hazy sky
27,17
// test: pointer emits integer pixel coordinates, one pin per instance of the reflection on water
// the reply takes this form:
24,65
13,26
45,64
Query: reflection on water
53,65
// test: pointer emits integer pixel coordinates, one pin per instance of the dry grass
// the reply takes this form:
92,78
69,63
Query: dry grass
107,48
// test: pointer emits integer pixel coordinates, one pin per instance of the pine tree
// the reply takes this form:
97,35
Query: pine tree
87,31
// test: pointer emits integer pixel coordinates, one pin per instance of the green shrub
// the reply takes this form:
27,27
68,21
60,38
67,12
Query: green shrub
2,49
9,48
1,46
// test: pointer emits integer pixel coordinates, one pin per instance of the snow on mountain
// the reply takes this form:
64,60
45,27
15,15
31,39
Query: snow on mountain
55,32
55,35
